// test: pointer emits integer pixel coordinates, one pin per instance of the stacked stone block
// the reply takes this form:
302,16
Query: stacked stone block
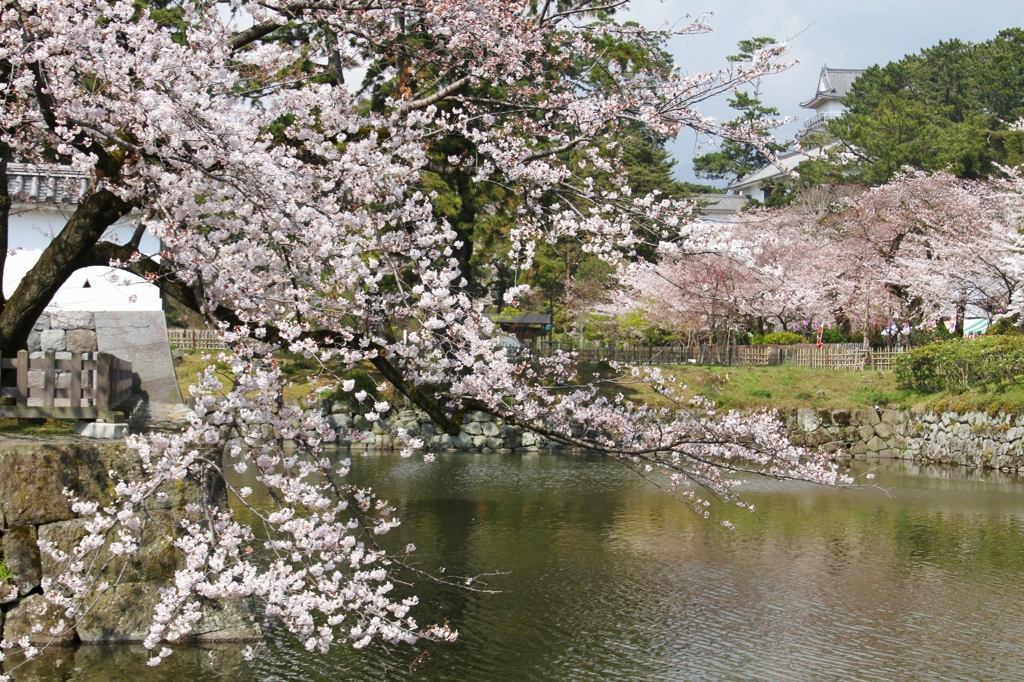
139,337
974,439
34,511
65,333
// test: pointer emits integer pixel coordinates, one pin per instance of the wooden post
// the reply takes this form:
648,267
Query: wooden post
22,378
104,368
76,380
49,377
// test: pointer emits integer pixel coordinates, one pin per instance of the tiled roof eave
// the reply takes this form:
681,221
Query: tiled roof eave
820,99
33,186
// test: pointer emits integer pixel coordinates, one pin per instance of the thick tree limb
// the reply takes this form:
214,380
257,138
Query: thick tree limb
68,252
5,214
424,102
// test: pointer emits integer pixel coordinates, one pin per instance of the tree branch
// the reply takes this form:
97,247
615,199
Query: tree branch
68,252
103,253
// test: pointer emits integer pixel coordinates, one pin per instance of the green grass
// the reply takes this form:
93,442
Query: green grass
780,387
296,369
31,427
788,387
5,573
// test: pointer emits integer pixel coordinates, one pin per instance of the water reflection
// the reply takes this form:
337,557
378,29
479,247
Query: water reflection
918,577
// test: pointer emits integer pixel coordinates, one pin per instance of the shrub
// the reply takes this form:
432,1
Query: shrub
833,335
1002,328
959,365
777,339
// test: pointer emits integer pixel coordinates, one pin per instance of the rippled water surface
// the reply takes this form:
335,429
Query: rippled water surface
604,577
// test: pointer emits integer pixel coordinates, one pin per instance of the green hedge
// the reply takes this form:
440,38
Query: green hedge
776,339
959,365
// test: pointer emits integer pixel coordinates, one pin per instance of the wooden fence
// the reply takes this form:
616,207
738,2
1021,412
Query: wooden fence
829,356
84,386
194,339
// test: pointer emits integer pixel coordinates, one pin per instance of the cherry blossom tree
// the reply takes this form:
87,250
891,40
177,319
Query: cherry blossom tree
922,247
293,213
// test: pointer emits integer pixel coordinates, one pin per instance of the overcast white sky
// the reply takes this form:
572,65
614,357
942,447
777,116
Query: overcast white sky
849,34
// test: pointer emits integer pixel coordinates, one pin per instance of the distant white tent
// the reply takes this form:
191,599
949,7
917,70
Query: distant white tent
95,288
975,326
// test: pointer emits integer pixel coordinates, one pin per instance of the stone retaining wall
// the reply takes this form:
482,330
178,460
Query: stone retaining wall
33,509
975,439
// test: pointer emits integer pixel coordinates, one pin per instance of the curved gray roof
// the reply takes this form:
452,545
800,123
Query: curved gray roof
719,204
832,84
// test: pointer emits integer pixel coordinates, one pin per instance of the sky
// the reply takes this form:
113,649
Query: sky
851,34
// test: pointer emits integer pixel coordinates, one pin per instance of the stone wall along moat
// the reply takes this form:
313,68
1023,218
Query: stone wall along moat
35,511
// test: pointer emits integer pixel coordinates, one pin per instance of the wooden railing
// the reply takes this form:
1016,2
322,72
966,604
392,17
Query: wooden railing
194,339
84,386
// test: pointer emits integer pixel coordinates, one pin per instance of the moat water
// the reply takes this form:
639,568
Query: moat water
604,577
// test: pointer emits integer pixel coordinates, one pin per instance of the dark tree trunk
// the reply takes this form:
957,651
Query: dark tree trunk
69,251
5,214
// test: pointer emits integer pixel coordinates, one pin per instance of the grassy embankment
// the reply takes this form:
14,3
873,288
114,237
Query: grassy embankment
782,387
296,369
788,386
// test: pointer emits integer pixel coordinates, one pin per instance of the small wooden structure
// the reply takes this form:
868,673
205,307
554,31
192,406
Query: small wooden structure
98,383
527,327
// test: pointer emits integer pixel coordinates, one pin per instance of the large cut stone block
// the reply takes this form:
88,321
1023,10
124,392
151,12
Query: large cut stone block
123,614
72,319
95,460
22,557
52,339
807,419
876,444
463,441
32,611
32,478
229,620
81,341
156,558
140,337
